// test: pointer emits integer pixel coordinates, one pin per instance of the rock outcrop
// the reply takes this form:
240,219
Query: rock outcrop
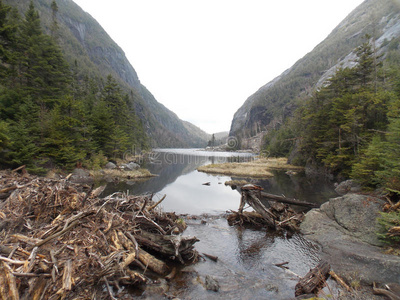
345,228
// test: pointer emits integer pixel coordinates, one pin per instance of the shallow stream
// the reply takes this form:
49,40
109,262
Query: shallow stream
246,257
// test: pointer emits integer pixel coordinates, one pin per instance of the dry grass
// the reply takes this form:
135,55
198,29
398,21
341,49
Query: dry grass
260,168
121,174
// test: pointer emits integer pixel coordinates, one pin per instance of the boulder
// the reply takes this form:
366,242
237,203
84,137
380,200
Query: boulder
132,166
110,165
348,186
357,215
345,229
81,176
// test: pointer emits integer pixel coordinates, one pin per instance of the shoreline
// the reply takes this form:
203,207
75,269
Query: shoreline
254,169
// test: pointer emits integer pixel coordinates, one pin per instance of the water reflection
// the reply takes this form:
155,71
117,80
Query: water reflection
183,184
246,265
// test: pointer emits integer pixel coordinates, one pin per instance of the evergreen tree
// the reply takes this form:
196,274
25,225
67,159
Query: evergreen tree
7,40
44,69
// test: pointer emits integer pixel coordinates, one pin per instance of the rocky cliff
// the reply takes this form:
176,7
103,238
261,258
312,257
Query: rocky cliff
274,102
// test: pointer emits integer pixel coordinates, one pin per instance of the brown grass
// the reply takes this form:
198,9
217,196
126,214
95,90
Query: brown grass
260,168
135,174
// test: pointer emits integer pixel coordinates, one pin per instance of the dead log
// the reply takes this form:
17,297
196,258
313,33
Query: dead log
172,246
254,201
314,279
288,200
153,263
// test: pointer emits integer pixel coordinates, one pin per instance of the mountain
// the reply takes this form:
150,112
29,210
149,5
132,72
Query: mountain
270,106
92,53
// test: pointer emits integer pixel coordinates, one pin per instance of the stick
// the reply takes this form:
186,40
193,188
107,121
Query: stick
67,279
155,205
19,168
73,224
212,257
389,294
32,258
339,280
12,261
282,265
30,274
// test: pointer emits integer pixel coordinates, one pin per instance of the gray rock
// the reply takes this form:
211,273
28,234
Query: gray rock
339,227
212,284
81,176
132,166
80,172
357,215
110,165
348,186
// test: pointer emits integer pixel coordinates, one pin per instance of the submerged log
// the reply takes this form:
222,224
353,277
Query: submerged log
313,279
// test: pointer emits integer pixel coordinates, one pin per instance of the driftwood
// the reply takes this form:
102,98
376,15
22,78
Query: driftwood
391,294
276,216
60,241
339,280
288,200
313,280
251,198
240,186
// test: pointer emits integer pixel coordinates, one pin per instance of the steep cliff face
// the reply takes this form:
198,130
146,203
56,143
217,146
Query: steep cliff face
274,102
91,52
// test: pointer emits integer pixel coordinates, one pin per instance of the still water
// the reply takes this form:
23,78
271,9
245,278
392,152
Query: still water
246,257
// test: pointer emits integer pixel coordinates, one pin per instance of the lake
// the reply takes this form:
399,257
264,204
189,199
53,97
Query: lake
246,257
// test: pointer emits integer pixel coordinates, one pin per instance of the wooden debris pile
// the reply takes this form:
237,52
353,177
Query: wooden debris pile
274,211
58,240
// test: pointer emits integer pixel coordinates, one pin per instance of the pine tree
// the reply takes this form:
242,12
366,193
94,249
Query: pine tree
7,40
44,69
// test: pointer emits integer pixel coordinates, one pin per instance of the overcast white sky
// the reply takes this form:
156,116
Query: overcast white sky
203,58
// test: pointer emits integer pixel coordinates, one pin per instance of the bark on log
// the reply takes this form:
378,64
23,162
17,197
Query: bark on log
252,200
288,200
313,279
153,263
8,286
168,245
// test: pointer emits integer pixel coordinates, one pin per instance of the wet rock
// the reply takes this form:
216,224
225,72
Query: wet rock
345,227
211,284
348,186
110,166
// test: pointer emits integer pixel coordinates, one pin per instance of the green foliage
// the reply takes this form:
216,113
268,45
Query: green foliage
336,124
387,221
96,161
51,117
4,140
280,142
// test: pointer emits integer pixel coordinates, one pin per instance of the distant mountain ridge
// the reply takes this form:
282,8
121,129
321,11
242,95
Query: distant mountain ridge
93,53
274,102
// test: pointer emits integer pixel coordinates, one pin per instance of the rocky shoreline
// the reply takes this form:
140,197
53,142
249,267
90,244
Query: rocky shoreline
345,229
